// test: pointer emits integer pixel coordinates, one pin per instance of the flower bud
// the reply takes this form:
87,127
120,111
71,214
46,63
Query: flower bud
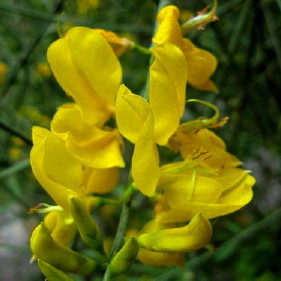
85,224
124,259
45,248
51,273
189,238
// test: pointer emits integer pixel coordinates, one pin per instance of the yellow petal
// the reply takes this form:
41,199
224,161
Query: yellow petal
145,161
68,118
168,29
205,146
60,226
93,146
230,178
118,44
87,69
239,194
230,201
181,239
100,180
44,247
167,81
135,122
101,149
207,86
200,64
131,113
160,259
180,189
57,171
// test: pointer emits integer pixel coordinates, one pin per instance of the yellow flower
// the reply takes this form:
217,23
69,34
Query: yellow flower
60,226
207,181
188,193
158,258
63,177
61,174
89,72
202,144
46,248
135,122
95,145
167,81
190,237
156,121
200,63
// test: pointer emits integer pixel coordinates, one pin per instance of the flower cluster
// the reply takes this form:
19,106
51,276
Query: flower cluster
82,153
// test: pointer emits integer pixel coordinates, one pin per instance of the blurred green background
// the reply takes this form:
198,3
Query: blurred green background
246,41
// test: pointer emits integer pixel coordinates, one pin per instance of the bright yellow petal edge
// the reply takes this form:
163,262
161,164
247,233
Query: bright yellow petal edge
135,122
87,69
189,238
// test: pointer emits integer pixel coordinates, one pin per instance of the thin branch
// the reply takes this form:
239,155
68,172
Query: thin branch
21,165
25,58
16,133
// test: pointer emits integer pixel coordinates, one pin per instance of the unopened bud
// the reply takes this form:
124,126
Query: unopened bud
85,224
45,248
124,259
52,273
184,239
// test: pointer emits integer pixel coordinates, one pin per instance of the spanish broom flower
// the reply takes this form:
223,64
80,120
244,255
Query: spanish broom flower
80,156
164,244
139,129
82,125
200,63
63,176
206,181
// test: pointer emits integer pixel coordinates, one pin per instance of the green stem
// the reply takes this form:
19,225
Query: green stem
141,49
121,229
21,165
200,20
106,276
9,129
214,118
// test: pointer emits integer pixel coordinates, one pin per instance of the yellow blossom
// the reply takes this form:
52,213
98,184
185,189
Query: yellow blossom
60,226
183,239
167,90
92,80
200,63
61,174
158,258
44,247
206,181
202,144
135,122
